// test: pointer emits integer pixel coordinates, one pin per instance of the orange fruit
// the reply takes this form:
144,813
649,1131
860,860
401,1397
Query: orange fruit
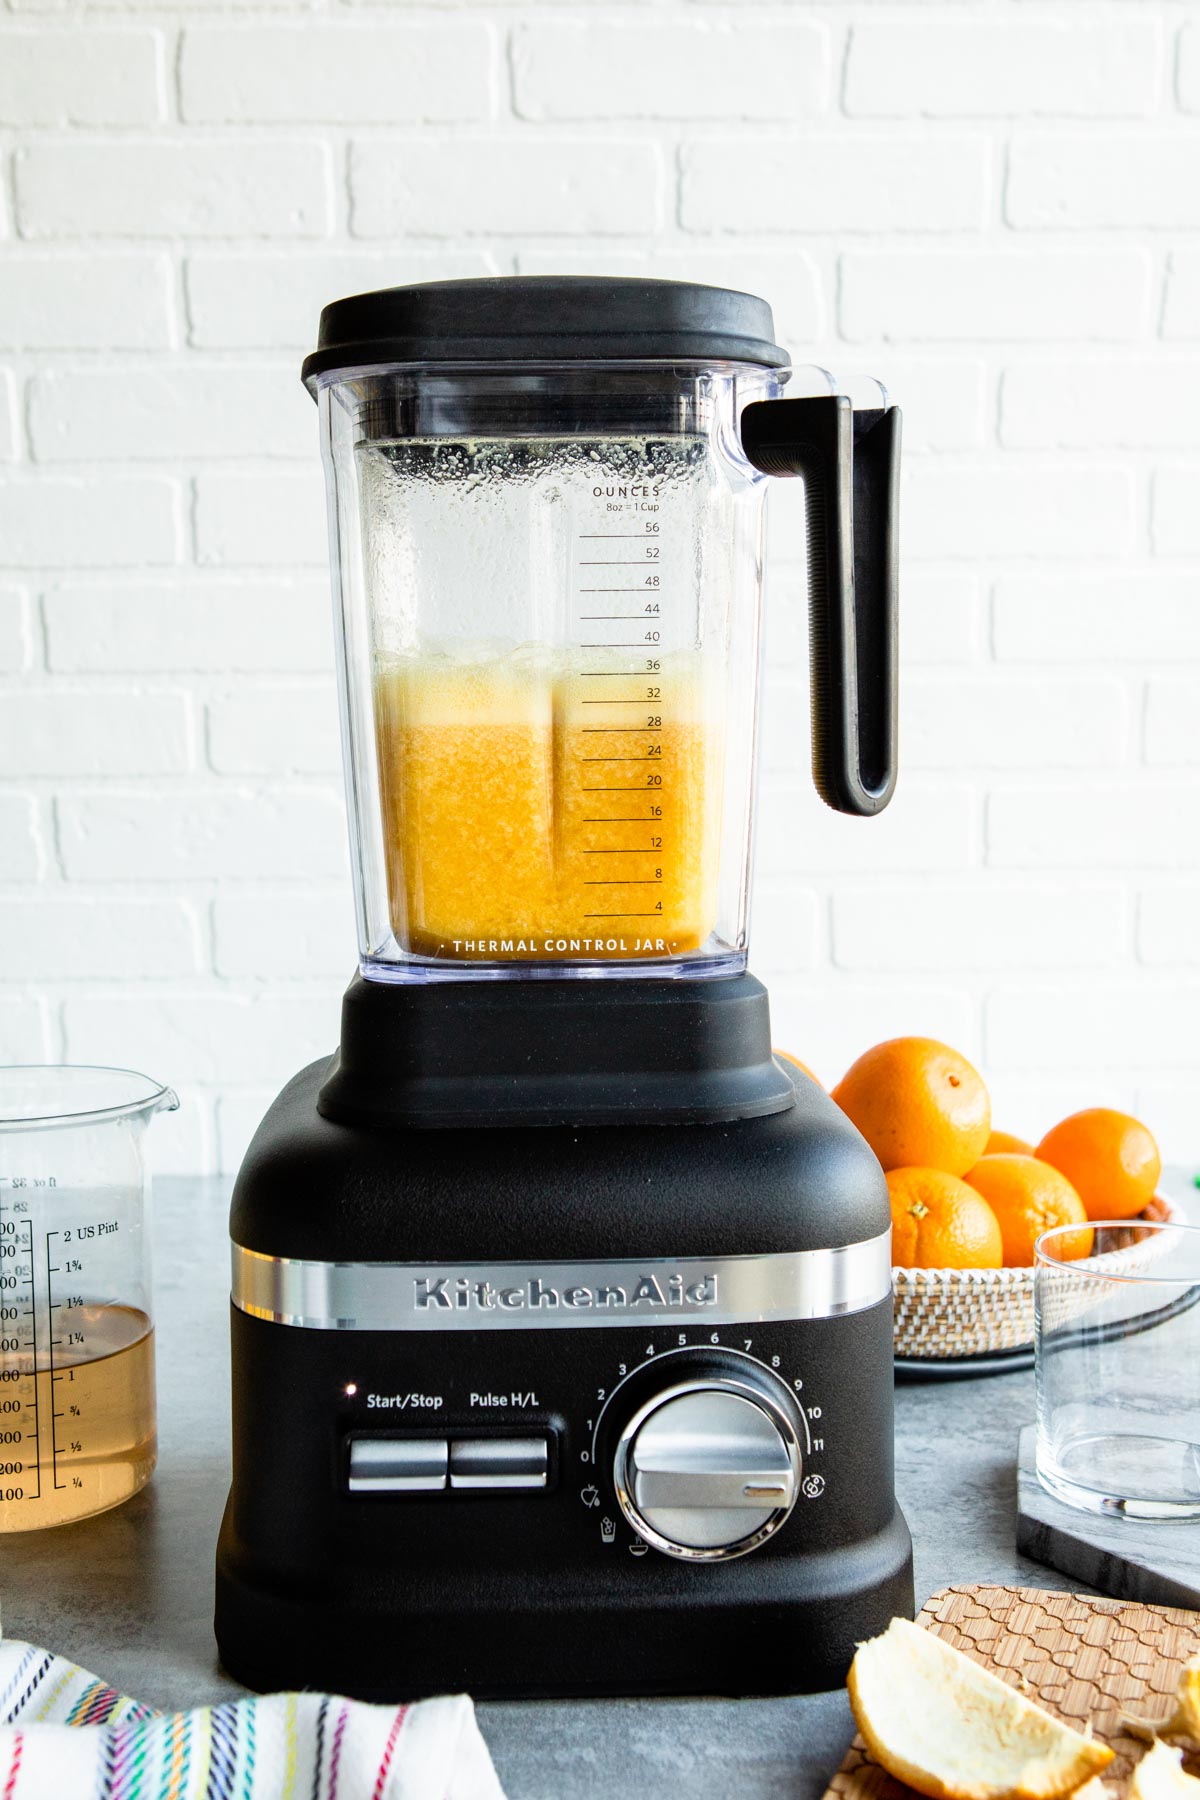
919,1104
1161,1775
1003,1143
786,1056
938,1222
942,1724
1029,1197
1110,1160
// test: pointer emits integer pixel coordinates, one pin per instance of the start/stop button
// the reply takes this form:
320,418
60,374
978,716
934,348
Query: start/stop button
398,1465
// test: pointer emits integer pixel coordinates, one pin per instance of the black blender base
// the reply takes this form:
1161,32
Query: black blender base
772,1627
417,1283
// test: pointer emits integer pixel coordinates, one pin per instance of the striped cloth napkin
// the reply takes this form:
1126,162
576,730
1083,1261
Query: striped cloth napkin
274,1747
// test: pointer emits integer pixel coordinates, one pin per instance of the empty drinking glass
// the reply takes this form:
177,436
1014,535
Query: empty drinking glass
1118,1370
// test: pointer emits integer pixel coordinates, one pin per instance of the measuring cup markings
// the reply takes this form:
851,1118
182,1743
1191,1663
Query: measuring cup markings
67,1363
600,771
69,1337
17,1338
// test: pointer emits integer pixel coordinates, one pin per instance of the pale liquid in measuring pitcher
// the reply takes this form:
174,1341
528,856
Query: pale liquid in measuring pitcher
78,1437
534,813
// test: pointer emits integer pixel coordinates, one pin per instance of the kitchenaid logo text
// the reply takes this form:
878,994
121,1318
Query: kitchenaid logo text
449,1293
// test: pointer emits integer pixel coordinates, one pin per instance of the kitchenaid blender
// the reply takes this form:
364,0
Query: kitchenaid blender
554,1295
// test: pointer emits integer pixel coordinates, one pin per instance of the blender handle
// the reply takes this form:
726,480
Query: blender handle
850,462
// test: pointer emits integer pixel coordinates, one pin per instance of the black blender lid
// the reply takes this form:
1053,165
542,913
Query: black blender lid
544,318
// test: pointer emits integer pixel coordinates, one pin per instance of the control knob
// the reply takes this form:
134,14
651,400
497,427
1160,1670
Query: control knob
710,1468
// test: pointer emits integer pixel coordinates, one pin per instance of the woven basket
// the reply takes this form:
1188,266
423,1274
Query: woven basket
969,1312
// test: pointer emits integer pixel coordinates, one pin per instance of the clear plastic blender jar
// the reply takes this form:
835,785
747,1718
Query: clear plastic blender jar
77,1398
547,518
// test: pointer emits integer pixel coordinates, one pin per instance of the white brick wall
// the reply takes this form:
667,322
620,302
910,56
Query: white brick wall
171,186
373,74
16,648
837,183
136,415
1172,710
681,69
972,296
79,731
995,205
1004,67
8,416
1175,510
93,300
474,187
99,521
81,77
1118,180
256,519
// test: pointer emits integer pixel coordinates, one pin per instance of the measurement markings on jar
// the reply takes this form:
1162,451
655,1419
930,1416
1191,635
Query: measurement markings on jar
650,591
33,1359
16,1273
53,1343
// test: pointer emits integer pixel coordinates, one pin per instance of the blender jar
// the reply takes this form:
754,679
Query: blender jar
77,1399
548,536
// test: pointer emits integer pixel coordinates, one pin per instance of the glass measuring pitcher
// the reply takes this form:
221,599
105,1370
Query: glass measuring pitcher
546,517
77,1401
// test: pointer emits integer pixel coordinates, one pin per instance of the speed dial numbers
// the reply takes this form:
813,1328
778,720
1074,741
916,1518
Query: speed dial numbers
707,1450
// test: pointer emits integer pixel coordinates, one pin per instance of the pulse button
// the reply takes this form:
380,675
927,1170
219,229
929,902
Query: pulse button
499,1462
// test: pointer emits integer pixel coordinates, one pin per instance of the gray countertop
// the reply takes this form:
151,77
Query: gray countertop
129,1594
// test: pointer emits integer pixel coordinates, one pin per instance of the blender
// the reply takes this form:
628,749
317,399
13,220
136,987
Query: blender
561,1310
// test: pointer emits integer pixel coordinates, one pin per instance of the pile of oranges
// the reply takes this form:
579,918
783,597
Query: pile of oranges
967,1197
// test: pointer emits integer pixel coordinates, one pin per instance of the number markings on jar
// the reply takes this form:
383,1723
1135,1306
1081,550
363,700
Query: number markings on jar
20,1344
653,727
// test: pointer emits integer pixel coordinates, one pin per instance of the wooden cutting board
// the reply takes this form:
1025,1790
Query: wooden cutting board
1080,1656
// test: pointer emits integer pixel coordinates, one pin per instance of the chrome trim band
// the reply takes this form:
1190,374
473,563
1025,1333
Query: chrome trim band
722,1290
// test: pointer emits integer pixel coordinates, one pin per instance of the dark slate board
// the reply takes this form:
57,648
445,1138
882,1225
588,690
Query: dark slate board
1132,1559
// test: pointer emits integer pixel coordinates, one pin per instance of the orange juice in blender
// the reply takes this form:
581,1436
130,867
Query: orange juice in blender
537,810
